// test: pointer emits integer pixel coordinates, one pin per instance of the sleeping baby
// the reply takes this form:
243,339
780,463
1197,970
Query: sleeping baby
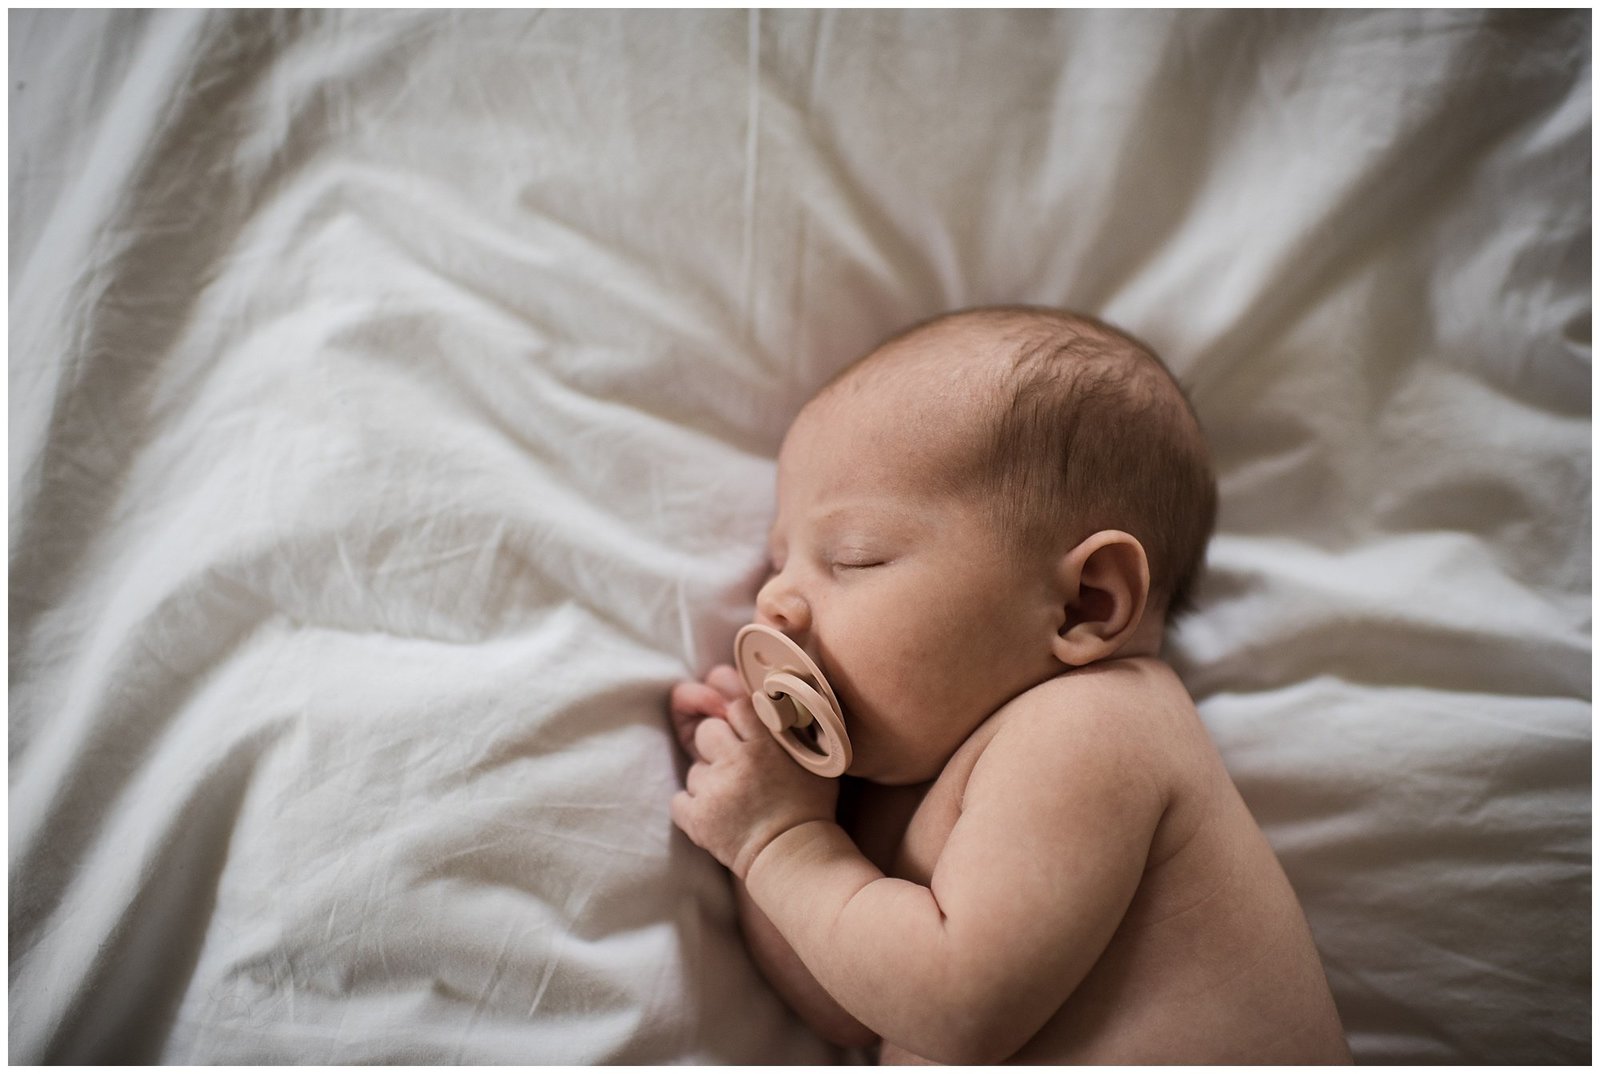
983,528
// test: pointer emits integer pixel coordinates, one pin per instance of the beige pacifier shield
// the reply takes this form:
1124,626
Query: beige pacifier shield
789,692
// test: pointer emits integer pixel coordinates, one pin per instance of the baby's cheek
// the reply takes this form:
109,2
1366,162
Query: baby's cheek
888,689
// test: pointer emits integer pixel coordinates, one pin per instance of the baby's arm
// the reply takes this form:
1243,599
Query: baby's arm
875,818
692,702
1056,823
791,980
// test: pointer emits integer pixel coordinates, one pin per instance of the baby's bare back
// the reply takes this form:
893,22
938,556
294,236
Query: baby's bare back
1213,961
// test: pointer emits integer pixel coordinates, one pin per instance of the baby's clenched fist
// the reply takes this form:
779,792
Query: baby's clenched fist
743,791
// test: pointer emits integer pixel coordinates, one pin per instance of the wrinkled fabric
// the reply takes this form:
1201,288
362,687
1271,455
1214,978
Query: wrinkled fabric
393,402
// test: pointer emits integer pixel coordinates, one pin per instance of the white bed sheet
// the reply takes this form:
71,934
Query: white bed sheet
393,399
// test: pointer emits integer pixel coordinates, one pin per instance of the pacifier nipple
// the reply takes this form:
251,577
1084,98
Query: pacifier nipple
793,699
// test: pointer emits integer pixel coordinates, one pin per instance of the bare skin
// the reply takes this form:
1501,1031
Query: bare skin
1047,861
1209,959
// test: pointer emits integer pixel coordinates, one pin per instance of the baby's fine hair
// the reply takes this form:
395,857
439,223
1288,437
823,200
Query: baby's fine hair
1091,431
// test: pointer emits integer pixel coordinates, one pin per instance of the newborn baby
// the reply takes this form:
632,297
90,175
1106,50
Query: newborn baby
983,529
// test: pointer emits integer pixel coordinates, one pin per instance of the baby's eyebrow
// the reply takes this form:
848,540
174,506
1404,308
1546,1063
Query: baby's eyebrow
874,516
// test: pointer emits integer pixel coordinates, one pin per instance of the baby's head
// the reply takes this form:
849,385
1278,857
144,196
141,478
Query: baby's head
983,502
1076,428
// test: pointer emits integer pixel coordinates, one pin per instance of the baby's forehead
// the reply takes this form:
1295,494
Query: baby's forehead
890,436
953,349
948,378
919,412
943,400
919,395
979,364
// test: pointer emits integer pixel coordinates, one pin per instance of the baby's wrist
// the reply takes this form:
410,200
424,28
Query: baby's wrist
782,844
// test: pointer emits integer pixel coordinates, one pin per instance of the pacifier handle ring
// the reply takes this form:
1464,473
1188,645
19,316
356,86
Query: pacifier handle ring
834,757
803,697
788,690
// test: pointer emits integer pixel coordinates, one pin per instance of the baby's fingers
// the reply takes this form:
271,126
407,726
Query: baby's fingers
726,682
691,704
682,808
698,700
745,722
713,739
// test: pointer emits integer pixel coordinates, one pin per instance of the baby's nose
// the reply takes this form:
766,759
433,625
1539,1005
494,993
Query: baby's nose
779,606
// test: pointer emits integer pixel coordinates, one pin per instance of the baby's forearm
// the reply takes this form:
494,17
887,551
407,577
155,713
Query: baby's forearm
878,945
790,978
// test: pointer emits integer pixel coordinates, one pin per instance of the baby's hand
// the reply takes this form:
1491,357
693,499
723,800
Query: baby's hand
743,791
693,702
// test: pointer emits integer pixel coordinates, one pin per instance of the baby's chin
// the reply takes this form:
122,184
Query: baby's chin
901,771
892,779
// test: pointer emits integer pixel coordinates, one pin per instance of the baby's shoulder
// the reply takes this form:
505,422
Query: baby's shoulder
1118,697
1126,713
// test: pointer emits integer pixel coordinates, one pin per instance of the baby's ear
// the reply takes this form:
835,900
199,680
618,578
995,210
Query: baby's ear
1105,582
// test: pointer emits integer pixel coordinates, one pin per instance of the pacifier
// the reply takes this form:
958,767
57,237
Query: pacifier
793,699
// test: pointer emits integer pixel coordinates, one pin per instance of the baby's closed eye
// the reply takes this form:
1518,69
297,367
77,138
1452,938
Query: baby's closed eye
856,561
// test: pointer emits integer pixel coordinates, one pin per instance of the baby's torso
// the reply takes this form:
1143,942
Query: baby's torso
1213,961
